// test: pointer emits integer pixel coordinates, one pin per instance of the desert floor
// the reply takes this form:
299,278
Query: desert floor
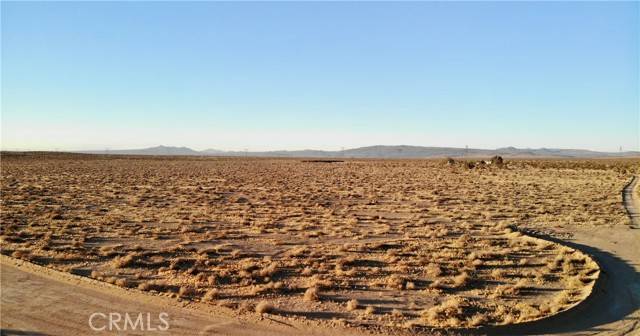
302,257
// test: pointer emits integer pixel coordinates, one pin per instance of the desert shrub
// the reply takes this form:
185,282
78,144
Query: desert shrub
317,281
397,313
211,294
353,304
370,310
437,284
311,294
497,274
505,290
433,270
236,253
181,263
264,307
437,315
123,261
527,312
461,280
563,298
186,291
269,270
122,282
145,286
396,281
297,252
21,254
477,320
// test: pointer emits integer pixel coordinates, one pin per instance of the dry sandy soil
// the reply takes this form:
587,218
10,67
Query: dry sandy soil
288,247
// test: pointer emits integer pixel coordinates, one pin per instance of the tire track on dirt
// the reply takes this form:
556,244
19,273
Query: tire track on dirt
631,202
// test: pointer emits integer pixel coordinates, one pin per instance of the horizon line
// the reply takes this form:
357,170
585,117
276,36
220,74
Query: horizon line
133,148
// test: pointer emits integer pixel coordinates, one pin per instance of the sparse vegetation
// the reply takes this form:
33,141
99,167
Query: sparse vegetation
245,233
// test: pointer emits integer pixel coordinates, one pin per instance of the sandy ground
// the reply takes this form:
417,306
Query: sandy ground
375,244
60,304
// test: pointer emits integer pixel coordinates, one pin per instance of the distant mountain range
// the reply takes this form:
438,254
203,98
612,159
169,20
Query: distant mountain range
382,152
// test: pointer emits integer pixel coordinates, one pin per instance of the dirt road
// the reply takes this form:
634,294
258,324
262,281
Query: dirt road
632,203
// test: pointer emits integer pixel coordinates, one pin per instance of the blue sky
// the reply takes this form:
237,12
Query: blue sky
264,76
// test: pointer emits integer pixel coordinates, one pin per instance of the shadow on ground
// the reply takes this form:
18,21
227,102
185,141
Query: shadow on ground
612,300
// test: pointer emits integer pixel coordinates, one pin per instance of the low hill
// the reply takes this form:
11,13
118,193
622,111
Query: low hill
383,152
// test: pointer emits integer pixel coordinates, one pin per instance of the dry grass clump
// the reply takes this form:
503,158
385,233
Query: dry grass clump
397,314
447,313
438,284
109,250
186,291
269,270
526,312
270,286
21,254
123,261
353,304
211,294
297,252
433,270
181,263
264,307
396,281
502,291
498,274
461,280
558,303
370,310
477,320
312,294
319,282
154,285
123,282
145,286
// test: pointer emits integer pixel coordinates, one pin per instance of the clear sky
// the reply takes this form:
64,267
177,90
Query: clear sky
264,76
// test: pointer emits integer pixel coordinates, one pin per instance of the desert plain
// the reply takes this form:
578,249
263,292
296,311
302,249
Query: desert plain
295,246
